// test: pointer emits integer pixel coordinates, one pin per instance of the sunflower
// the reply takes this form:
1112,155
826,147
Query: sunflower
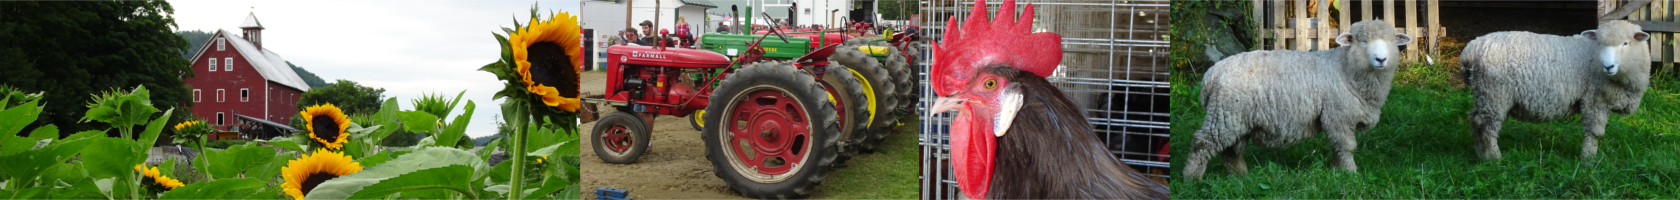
157,178
183,125
549,58
326,124
303,174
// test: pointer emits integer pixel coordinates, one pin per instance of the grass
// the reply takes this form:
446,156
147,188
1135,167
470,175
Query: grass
889,173
1423,148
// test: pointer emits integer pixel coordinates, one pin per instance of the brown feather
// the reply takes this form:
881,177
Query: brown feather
1050,152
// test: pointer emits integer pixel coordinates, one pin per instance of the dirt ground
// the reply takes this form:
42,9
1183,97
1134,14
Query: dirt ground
675,167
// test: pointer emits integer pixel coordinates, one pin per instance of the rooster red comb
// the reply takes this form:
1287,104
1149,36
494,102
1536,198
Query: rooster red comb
1005,41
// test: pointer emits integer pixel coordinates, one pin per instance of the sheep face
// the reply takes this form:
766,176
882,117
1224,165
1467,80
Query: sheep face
1374,43
1620,44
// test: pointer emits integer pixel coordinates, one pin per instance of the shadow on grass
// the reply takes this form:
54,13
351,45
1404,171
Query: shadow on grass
1423,148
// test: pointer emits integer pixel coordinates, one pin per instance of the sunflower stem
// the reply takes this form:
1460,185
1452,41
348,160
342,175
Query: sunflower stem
204,154
517,179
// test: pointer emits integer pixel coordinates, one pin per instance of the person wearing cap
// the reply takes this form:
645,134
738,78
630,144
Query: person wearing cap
648,38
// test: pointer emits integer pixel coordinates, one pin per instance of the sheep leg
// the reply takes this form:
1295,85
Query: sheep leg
1207,142
1234,158
1593,122
1341,138
1486,122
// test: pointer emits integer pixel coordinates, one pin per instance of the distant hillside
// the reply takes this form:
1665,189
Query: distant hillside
197,38
314,81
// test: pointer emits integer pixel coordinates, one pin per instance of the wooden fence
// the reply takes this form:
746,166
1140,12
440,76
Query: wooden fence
1659,18
1291,26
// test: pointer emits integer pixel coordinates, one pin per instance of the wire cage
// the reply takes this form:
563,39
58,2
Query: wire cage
1114,65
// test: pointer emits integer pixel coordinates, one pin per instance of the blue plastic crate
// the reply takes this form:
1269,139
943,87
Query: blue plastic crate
612,193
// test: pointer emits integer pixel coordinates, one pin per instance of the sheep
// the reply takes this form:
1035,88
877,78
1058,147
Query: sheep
1279,98
1539,78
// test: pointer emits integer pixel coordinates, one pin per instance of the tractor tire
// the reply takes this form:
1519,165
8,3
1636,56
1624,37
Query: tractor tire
883,91
620,138
791,131
902,77
696,119
851,105
859,41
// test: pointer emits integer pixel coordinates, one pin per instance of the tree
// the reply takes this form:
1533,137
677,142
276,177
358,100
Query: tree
73,50
197,39
898,9
310,78
346,95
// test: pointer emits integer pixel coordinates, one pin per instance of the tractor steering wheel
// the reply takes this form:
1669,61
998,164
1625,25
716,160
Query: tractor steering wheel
773,28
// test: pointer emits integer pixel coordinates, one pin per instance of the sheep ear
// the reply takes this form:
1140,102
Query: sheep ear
1402,39
1590,34
1641,36
1346,39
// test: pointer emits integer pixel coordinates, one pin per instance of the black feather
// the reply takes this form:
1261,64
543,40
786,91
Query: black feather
1049,151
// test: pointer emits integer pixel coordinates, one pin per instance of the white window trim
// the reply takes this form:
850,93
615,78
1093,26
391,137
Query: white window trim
244,94
228,61
197,95
212,64
221,95
221,44
219,117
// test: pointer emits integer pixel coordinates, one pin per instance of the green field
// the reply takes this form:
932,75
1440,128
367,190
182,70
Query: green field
888,173
1423,148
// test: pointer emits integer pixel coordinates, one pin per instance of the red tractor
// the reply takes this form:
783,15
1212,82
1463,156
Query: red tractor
775,115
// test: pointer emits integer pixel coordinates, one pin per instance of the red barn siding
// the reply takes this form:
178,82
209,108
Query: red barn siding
268,100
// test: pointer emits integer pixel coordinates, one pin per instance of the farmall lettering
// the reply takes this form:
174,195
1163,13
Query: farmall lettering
639,54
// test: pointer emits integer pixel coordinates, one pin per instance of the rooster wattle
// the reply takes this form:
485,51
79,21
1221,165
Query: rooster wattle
1015,135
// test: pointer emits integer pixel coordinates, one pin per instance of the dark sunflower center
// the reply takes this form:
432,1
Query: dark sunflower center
314,180
325,127
550,67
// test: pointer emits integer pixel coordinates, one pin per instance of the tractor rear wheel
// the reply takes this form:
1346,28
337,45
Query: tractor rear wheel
851,107
620,138
771,131
882,91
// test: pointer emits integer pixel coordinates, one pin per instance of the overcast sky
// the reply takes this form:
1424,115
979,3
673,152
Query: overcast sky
408,47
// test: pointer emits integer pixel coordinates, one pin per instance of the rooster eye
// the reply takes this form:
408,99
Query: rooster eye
991,83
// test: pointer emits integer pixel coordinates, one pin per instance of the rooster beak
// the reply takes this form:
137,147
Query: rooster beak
946,104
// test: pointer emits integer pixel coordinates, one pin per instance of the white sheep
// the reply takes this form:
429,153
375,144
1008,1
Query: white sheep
1279,98
1539,78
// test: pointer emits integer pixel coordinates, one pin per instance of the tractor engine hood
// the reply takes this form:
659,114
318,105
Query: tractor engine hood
668,57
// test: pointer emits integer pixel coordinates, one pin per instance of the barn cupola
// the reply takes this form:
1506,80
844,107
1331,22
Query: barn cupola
253,30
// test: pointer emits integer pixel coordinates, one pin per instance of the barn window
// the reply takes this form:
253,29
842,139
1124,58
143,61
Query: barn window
220,43
219,117
212,64
219,95
196,95
244,94
229,62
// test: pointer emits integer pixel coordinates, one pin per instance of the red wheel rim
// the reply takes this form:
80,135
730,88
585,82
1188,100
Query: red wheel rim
839,106
769,132
618,139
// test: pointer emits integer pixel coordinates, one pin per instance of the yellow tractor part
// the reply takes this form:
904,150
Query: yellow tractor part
699,117
873,50
868,93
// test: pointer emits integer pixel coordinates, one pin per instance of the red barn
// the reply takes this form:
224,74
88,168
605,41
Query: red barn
239,86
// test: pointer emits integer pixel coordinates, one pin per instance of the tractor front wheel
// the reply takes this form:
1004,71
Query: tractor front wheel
620,138
771,131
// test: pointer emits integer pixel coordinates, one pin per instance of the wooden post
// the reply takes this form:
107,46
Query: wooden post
1365,8
1411,52
1388,11
1259,20
1278,24
1343,16
1323,27
1434,32
1301,25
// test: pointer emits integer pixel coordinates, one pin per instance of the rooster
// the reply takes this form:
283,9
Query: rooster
1015,135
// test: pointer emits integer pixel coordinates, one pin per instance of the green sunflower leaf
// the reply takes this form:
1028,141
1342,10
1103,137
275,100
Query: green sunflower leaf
457,128
418,121
284,144
48,132
13,120
219,189
386,117
109,157
236,159
424,169
149,137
